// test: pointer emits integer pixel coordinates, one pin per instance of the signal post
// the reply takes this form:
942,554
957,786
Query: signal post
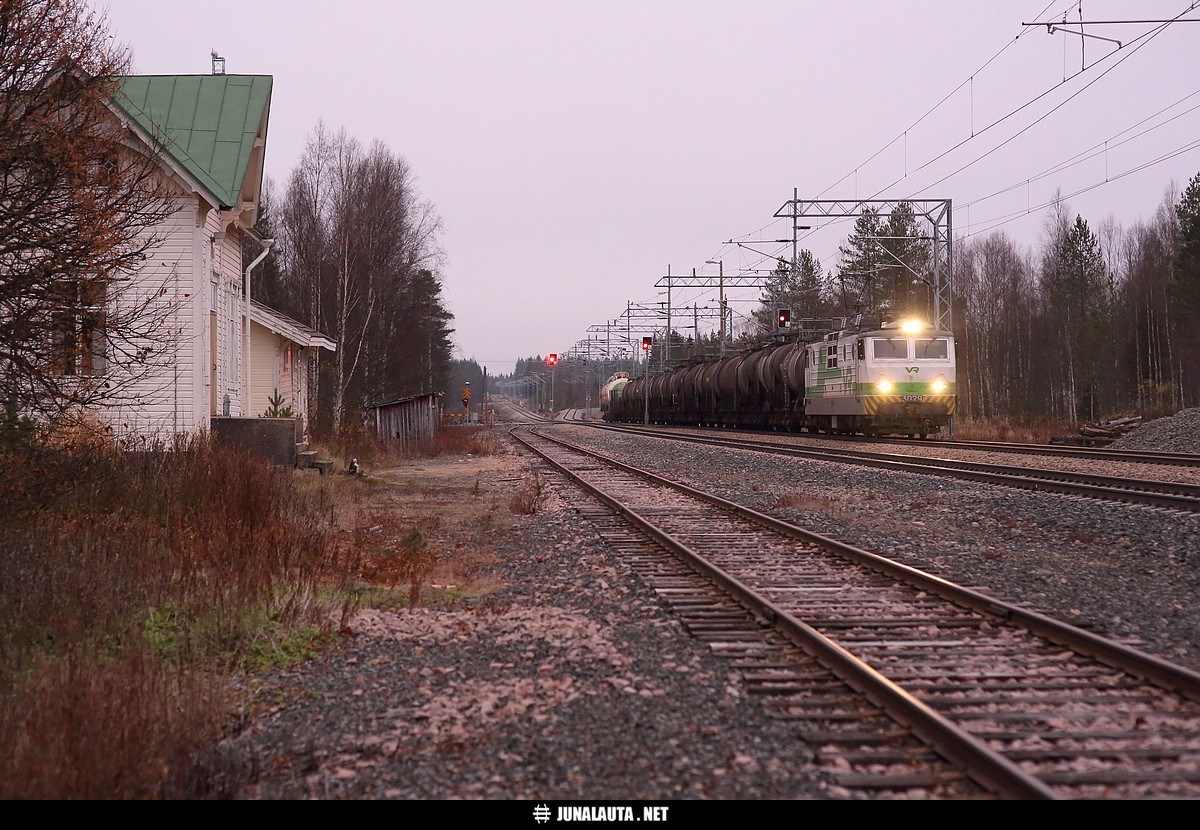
646,343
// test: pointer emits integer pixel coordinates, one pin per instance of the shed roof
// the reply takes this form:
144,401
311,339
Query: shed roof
409,399
285,326
206,123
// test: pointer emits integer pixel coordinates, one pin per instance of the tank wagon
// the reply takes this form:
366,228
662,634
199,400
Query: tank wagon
875,376
612,389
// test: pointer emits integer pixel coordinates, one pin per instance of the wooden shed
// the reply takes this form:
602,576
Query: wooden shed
408,419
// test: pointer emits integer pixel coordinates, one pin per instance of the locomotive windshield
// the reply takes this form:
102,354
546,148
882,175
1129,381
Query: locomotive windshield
892,348
931,349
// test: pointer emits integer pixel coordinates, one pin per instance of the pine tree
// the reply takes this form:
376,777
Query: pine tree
907,258
1183,290
860,262
1074,282
798,286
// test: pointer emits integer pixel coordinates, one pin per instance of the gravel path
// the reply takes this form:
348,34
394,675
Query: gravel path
573,682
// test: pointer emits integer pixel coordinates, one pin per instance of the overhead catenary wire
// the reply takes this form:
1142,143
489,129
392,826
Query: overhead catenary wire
968,81
1119,139
1125,56
1095,150
1137,44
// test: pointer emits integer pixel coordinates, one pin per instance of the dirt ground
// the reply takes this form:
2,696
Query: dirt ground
426,527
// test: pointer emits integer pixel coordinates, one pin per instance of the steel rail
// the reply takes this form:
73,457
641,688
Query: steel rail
1176,459
1162,672
986,766
1112,488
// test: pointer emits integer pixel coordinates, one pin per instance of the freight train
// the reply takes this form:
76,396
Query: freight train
871,375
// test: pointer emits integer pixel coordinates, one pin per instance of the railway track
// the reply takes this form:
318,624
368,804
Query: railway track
907,683
1178,459
1166,494
1175,459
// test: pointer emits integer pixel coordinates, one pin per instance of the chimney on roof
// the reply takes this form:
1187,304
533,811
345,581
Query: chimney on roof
218,63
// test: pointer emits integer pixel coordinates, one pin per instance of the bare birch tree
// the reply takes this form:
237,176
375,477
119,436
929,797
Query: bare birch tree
361,246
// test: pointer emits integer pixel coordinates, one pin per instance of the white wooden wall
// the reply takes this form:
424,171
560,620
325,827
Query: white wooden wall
179,277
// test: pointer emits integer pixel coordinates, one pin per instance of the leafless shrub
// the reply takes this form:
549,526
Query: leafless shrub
78,215
529,497
447,442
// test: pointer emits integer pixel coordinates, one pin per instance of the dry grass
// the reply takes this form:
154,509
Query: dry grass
420,518
394,557
373,453
1026,430
529,497
803,501
134,585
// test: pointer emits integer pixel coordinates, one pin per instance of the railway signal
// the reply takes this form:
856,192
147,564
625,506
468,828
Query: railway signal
646,341
552,359
784,318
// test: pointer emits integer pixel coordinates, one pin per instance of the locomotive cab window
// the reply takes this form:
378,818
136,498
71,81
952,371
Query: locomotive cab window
831,357
931,349
892,348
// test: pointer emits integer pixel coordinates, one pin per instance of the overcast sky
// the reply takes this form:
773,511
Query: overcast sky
577,150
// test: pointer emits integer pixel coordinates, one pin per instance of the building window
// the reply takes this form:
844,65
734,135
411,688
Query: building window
79,341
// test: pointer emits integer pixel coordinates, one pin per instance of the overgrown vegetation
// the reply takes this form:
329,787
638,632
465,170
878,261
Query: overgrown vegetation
135,586
528,500
1015,429
455,440
394,559
446,441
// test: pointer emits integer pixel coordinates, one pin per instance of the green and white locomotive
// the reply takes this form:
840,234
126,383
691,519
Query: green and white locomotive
897,378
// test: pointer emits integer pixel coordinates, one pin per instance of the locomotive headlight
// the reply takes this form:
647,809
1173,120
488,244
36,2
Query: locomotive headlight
939,385
912,326
883,386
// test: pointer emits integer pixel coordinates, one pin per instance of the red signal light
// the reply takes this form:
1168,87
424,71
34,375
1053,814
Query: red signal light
646,341
552,360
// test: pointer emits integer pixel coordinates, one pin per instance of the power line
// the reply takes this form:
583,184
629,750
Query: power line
1004,220
1146,38
932,109
1093,151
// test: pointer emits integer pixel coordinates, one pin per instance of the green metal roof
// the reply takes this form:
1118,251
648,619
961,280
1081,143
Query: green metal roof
207,123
